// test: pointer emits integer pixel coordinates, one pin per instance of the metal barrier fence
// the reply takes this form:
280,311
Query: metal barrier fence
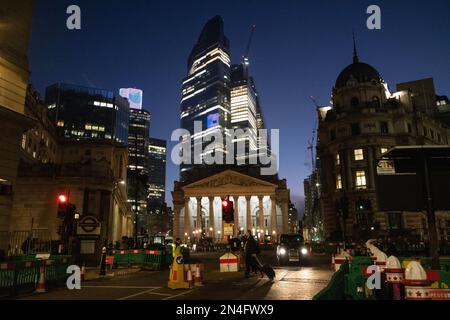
4,241
25,242
22,276
350,281
151,259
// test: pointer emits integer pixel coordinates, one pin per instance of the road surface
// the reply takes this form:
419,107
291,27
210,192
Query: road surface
291,283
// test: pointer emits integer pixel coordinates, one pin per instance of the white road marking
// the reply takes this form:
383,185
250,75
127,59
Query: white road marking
178,295
160,294
120,287
136,294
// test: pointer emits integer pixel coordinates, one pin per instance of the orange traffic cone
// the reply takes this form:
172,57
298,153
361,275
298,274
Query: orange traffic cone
83,271
189,278
198,276
41,284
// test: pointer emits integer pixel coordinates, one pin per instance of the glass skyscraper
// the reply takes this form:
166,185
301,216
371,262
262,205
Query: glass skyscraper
206,92
138,169
81,113
157,169
245,112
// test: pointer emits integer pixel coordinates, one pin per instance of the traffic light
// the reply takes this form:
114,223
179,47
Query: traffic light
63,205
227,211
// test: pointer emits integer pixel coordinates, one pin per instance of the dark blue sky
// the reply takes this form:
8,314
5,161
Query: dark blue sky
298,50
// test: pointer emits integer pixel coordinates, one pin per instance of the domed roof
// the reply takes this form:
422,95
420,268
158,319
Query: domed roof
361,72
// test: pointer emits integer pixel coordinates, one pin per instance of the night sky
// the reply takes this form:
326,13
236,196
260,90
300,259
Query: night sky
298,50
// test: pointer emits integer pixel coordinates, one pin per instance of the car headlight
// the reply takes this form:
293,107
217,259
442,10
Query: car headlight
282,251
304,251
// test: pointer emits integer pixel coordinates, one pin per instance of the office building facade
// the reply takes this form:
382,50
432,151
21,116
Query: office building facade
81,113
16,18
206,94
138,169
365,121
157,150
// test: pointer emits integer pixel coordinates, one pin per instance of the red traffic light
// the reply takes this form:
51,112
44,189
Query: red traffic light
62,198
225,203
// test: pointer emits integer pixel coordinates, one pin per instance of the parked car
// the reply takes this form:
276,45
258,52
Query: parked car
291,249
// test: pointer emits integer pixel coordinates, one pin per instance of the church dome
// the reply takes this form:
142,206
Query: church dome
358,71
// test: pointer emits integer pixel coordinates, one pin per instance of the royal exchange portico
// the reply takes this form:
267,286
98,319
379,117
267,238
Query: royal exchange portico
259,205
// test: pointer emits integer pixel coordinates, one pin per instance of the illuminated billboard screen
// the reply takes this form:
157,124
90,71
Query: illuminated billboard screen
212,120
134,97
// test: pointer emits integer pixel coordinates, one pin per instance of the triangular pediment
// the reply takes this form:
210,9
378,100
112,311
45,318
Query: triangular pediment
229,178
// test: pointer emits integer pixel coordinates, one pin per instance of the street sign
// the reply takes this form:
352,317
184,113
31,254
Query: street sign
386,167
88,226
42,256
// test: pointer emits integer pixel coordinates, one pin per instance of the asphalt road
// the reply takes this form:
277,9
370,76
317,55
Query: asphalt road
292,282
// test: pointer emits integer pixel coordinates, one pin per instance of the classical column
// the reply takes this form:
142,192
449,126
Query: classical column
187,217
371,174
199,216
249,213
211,216
261,212
284,211
349,156
236,215
176,221
273,216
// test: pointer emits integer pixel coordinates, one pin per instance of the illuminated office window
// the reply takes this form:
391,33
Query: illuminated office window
338,159
338,181
358,154
361,179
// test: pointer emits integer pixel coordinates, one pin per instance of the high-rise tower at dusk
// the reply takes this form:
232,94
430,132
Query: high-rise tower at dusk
206,91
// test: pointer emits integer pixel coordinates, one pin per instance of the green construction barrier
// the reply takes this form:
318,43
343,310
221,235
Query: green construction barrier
335,290
426,262
18,276
26,273
6,276
355,281
153,259
29,257
445,280
121,258
136,256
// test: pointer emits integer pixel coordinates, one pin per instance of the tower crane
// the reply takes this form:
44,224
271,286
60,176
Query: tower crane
245,60
313,138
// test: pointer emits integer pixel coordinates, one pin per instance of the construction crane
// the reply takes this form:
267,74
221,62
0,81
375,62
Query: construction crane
245,60
313,138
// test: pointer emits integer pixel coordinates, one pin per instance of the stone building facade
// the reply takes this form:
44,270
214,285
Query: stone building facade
259,205
14,73
364,121
92,175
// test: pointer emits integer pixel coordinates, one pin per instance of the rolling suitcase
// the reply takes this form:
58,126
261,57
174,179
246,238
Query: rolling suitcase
266,269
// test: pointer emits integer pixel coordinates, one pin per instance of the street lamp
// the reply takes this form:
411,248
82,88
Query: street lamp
218,237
